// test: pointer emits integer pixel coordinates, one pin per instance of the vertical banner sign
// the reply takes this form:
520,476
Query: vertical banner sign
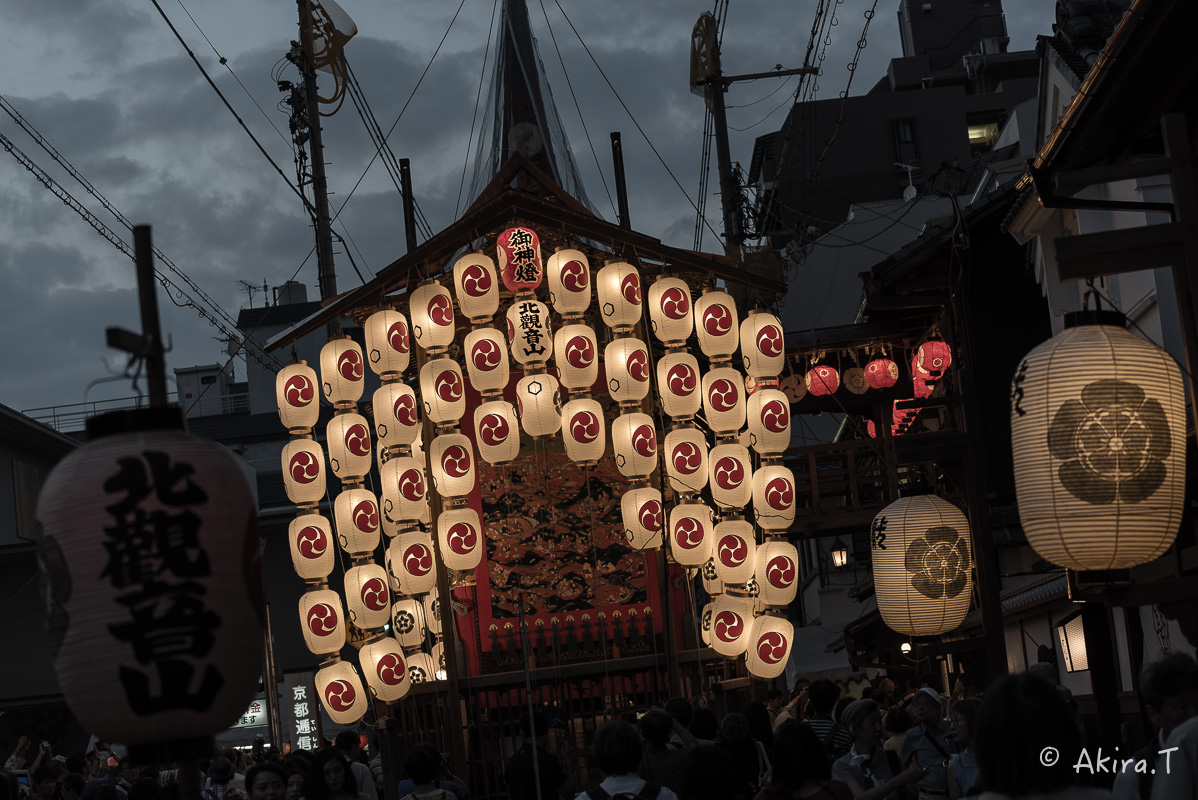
302,709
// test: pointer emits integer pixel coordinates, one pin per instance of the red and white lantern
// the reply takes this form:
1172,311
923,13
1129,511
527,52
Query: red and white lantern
388,342
577,356
735,551
539,404
642,513
341,693
295,391
310,537
691,534
731,623
367,596
770,641
485,351
716,325
569,275
670,312
433,323
932,359
881,373
356,515
528,328
627,365
731,471
768,418
405,491
724,400
386,671
443,391
686,460
761,345
476,285
396,415
460,536
822,380
634,442
584,430
407,622
678,382
519,252
348,436
774,497
322,621
619,288
497,432
303,472
777,570
342,372
413,563
451,463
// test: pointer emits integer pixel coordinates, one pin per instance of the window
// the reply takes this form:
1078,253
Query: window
983,129
905,148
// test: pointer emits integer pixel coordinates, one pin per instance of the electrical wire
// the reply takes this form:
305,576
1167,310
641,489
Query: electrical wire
482,74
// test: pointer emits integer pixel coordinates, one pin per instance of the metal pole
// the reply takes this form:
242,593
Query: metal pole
532,724
729,191
409,204
617,157
387,730
147,300
320,188
1185,271
270,682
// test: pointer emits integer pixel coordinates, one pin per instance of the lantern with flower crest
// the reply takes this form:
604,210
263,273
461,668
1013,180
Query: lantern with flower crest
460,537
485,353
716,325
768,418
577,356
642,515
538,402
761,345
678,379
341,692
396,414
686,459
382,662
730,469
768,647
295,391
476,286
634,442
583,430
618,286
670,312
303,471
443,391
412,562
310,537
691,534
431,309
519,251
497,432
408,623
881,373
822,380
341,371
627,364
388,345
569,275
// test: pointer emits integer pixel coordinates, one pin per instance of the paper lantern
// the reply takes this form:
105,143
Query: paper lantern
412,562
686,460
407,622
618,286
421,668
386,671
519,251
777,571
670,313
634,443
711,579
761,345
443,391
356,514
774,497
724,400
497,432
881,373
576,349
854,380
485,352
341,371
295,392
431,308
539,405
735,551
460,537
388,345
569,275
367,596
528,327
303,471
341,693
705,623
627,364
730,472
476,287
310,537
921,565
793,387
396,415
678,382
731,622
348,437
322,621
768,419
715,324
768,650
432,613
932,358
641,512
451,464
691,534
1098,426
922,384
404,489
584,430
822,380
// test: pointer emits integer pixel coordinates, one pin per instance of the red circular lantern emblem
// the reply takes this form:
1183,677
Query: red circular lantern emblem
461,538
298,391
349,364
357,439
681,380
486,355
405,410
580,352
723,395
733,551
322,619
688,533
584,427
574,277
644,441
779,494
417,559
728,626
440,310
311,542
717,320
397,337
729,473
476,280
375,595
687,458
339,695
649,515
630,287
411,485
780,572
493,429
775,416
771,647
449,386
881,373
455,461
674,303
366,517
304,467
769,341
638,365
391,669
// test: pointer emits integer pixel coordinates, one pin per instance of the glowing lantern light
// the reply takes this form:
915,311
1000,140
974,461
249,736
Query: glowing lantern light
761,345
921,565
303,471
412,562
627,365
341,372
432,613
932,359
367,596
711,579
356,517
670,310
768,418
396,415
322,621
1098,427
404,489
731,622
386,672
822,380
735,551
641,511
768,650
341,693
519,252
485,352
584,430
407,622
777,571
678,379
538,403
475,284
388,344
421,668
634,442
577,351
691,534
311,539
497,432
443,391
922,384
715,325
724,399
460,536
619,288
705,623
528,325
569,275
451,463
431,308
774,497
295,392
686,460
348,436
881,373
730,472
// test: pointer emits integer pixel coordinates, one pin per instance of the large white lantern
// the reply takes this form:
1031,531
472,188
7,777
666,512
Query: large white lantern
322,621
691,534
407,622
569,275
769,421
310,537
528,328
341,693
539,405
577,356
641,511
437,656
715,324
774,497
413,563
485,352
777,571
460,537
367,596
584,430
451,463
627,364
634,442
421,668
724,399
731,623
396,414
497,432
619,288
920,548
342,372
431,308
386,672
678,381
761,345
768,651
735,551
476,284
443,391
730,472
388,345
404,489
1098,430
356,514
670,310
432,613
348,437
295,392
303,471
519,251
686,460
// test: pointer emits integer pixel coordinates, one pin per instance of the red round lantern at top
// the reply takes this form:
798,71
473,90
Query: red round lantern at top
822,380
519,252
932,358
881,373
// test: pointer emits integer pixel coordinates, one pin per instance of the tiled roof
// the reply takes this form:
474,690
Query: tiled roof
1026,593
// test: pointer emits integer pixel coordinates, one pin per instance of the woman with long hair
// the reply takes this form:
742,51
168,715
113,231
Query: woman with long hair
330,778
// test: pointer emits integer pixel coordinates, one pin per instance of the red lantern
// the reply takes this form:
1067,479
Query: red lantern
822,380
881,373
932,359
519,252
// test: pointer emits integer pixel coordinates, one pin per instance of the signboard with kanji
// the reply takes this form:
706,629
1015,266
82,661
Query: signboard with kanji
301,709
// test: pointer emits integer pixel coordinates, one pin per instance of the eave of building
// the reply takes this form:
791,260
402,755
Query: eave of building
18,429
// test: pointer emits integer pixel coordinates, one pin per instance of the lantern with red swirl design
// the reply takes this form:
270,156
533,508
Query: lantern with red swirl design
485,353
451,463
413,563
769,421
627,365
528,325
497,432
678,381
367,596
342,371
310,537
761,345
584,430
777,571
460,537
774,497
382,662
519,252
356,515
443,391
577,356
303,471
348,437
538,402
569,275
670,312
396,414
476,286
388,342
408,622
715,325
686,460
735,550
634,442
431,309
931,360
768,651
404,490
730,473
691,534
881,373
724,400
642,513
618,286
295,391
341,693
822,380
731,622
322,621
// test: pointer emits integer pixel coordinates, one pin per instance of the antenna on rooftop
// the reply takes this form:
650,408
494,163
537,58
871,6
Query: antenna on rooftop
910,192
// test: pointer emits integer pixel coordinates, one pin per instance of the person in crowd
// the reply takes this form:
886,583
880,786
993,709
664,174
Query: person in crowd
705,726
79,764
72,786
220,775
445,778
759,724
617,749
100,789
376,763
44,781
661,764
330,778
296,768
896,722
521,773
887,687
266,781
683,711
351,748
841,705
870,772
747,759
929,744
797,707
775,701
20,754
800,768
422,771
832,735
145,789
964,775
707,775
1169,693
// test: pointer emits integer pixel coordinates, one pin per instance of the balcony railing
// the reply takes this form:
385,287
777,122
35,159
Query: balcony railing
74,416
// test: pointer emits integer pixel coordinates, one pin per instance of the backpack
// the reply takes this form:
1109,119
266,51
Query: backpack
648,792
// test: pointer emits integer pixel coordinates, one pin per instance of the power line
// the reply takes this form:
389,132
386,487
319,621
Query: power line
482,74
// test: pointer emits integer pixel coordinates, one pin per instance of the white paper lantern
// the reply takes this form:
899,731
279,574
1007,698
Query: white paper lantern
322,621
641,511
356,514
295,393
528,328
341,693
413,563
691,534
437,655
569,275
735,551
730,473
731,624
432,613
485,352
768,651
670,310
920,548
443,391
303,471
715,324
497,432
1098,426
421,668
634,442
761,345
678,382
310,537
618,286
348,437
705,623
777,571
519,251
577,351
404,489
774,497
768,419
724,399
431,309
476,284
388,345
539,405
686,460
386,671
712,584
451,463
367,596
407,622
342,372
396,414
460,537
584,430
627,364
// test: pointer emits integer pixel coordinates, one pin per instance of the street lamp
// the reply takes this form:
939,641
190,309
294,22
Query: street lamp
905,648
840,554
1073,642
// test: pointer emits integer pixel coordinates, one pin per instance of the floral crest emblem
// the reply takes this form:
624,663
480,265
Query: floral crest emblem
939,563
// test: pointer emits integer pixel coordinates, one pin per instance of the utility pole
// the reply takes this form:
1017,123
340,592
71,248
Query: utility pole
320,189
